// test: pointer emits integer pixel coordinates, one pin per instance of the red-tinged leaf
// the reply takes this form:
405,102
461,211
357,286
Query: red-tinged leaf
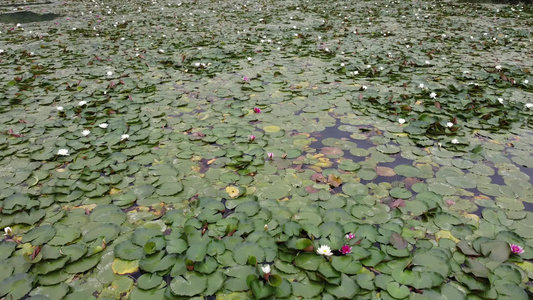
437,104
311,189
397,203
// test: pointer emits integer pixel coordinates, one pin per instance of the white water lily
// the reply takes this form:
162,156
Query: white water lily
124,137
324,250
265,269
401,120
8,231
455,141
85,132
433,95
82,103
529,105
63,152
525,81
103,125
449,124
428,62
59,108
109,73
421,85
249,58
500,100
498,67
365,87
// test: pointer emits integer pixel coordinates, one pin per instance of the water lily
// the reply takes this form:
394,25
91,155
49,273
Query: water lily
265,269
249,58
8,231
63,152
270,155
421,85
251,138
498,67
428,62
124,137
350,236
433,95
516,249
449,124
257,110
109,73
82,103
529,105
525,81
346,249
85,132
500,100
324,250
364,87
103,125
60,108
455,141
246,79
401,120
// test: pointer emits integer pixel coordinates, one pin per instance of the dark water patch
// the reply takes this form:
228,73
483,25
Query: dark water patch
26,17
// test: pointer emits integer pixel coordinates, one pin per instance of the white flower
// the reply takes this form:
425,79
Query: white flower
109,73
85,132
1,51
63,152
103,125
124,137
525,81
455,141
59,108
401,120
8,231
342,64
449,124
265,269
82,103
197,65
500,100
324,250
365,87
428,62
249,58
529,105
421,85
368,66
498,67
433,95
355,72
161,51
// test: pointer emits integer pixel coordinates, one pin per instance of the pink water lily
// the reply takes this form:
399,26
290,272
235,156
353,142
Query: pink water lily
251,138
346,249
246,79
257,110
516,249
270,155
350,236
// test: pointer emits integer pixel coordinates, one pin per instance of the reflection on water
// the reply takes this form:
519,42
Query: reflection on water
26,17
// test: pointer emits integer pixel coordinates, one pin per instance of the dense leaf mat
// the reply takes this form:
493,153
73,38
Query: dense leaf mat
266,149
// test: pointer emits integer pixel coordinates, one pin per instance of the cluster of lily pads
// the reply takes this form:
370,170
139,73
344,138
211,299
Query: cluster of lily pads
251,150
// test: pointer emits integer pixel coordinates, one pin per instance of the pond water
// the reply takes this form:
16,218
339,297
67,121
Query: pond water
172,150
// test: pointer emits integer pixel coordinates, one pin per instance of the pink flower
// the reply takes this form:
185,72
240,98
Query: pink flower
251,138
246,79
346,249
270,155
350,236
516,249
257,110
